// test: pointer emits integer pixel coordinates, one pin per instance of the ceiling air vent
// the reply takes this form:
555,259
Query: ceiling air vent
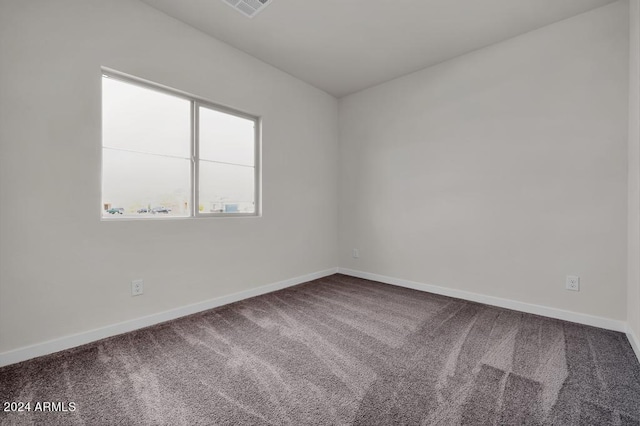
249,8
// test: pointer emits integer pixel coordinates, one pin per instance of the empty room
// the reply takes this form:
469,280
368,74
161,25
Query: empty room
281,212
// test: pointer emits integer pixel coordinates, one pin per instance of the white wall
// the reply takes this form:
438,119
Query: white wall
64,271
498,172
439,182
633,291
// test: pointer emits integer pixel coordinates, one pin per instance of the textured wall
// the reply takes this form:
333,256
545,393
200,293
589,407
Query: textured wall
499,172
633,296
63,270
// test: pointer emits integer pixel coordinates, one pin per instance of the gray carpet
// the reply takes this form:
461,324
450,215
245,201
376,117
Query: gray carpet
340,350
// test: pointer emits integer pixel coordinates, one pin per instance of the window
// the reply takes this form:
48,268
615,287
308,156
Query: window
167,154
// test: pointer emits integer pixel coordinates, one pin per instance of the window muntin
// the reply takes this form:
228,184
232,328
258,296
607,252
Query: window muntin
167,154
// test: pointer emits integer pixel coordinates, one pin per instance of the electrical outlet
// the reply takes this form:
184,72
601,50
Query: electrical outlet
137,286
355,253
572,283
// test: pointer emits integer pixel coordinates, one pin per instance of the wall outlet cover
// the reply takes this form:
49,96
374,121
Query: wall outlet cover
572,283
137,287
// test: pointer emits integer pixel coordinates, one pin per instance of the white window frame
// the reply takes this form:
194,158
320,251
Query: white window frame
196,104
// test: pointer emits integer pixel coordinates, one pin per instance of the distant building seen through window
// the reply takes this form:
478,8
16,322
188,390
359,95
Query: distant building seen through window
166,154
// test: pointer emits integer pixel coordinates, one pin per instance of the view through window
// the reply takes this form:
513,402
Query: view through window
164,153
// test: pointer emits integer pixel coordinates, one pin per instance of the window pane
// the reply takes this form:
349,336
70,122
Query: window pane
226,138
144,185
147,167
144,120
226,188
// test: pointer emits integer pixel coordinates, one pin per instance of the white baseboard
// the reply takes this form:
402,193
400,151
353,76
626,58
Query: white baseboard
606,323
67,342
71,341
635,342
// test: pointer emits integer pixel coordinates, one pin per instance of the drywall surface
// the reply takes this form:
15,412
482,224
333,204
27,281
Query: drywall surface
499,172
64,270
633,291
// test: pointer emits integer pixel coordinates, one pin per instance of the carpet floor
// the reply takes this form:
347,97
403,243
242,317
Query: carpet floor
339,350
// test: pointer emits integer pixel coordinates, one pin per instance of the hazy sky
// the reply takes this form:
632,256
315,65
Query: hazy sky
146,149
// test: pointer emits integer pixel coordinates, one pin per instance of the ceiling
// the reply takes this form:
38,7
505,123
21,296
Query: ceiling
343,46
